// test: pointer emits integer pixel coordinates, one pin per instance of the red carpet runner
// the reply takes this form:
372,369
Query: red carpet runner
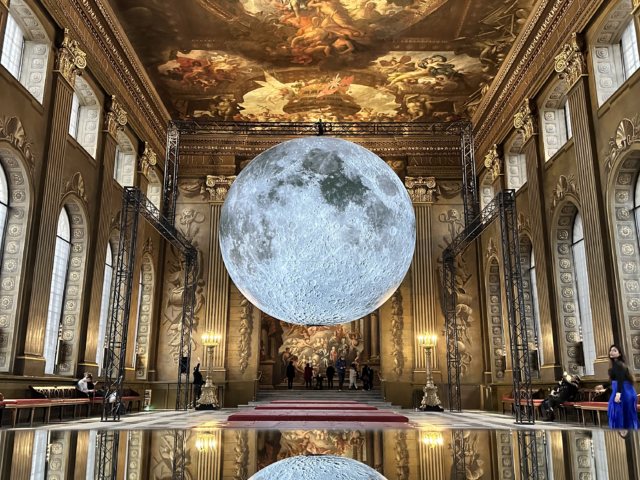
316,411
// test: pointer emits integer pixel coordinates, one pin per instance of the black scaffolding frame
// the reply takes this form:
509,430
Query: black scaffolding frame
502,207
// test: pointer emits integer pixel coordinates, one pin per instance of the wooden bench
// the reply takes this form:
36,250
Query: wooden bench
508,399
128,395
595,408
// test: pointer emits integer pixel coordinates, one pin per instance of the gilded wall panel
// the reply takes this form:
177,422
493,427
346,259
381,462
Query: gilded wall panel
242,338
396,326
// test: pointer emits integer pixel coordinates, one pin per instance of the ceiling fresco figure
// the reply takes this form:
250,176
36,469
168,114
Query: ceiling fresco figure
336,60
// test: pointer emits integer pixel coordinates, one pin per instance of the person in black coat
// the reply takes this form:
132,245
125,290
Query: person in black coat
367,377
198,381
566,391
291,374
330,373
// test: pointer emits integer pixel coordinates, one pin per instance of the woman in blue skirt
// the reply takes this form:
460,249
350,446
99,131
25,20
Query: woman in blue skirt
622,410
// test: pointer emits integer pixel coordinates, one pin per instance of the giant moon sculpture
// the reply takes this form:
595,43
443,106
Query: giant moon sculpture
318,467
317,231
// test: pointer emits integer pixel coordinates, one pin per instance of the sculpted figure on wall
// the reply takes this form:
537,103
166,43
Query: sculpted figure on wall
463,280
188,224
397,325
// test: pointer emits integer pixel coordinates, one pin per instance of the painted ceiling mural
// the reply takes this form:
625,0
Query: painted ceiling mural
339,60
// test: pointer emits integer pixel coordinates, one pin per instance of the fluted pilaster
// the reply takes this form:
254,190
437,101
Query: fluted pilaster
526,123
596,237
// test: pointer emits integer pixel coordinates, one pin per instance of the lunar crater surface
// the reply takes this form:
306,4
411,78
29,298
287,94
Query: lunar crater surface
318,467
317,231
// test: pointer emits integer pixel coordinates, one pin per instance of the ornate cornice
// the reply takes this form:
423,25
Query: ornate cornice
115,118
421,189
70,59
571,63
148,160
493,161
218,187
525,79
526,121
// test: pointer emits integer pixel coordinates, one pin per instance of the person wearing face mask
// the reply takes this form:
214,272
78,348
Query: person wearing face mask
622,410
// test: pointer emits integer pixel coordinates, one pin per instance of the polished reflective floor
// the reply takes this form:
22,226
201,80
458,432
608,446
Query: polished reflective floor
214,452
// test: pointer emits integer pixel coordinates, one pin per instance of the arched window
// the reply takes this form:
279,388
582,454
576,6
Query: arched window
486,190
556,127
4,204
25,50
516,167
532,317
154,190
614,50
84,120
536,311
56,297
105,306
584,302
125,165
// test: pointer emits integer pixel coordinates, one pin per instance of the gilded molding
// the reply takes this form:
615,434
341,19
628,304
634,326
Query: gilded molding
115,117
246,327
566,187
421,189
148,160
526,120
627,133
75,186
494,162
218,187
397,326
571,63
70,59
241,462
402,456
12,130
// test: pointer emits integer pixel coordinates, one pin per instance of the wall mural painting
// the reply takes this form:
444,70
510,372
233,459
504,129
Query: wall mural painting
280,444
318,346
188,224
339,60
465,285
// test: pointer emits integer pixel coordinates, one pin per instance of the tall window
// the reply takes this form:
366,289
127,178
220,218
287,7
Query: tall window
107,290
4,204
629,51
536,312
91,455
567,120
584,302
74,121
56,297
39,455
13,48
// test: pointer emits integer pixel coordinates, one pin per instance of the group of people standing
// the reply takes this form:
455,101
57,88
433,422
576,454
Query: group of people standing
340,368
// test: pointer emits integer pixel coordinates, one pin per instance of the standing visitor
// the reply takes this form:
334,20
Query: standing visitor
330,373
353,377
197,384
366,376
308,375
623,404
291,374
341,366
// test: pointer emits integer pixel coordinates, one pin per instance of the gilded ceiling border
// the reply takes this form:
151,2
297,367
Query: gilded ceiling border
541,47
70,14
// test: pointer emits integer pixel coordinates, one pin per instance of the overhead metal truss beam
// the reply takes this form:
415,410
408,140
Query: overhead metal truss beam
135,205
502,207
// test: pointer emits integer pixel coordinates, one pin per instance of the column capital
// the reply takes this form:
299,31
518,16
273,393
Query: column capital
148,160
493,161
70,59
115,117
526,120
218,187
571,62
421,189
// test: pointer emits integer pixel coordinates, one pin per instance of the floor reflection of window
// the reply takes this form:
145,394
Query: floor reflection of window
38,460
91,455
600,452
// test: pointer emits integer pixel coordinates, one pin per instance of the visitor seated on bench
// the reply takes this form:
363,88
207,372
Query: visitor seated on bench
566,391
86,386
